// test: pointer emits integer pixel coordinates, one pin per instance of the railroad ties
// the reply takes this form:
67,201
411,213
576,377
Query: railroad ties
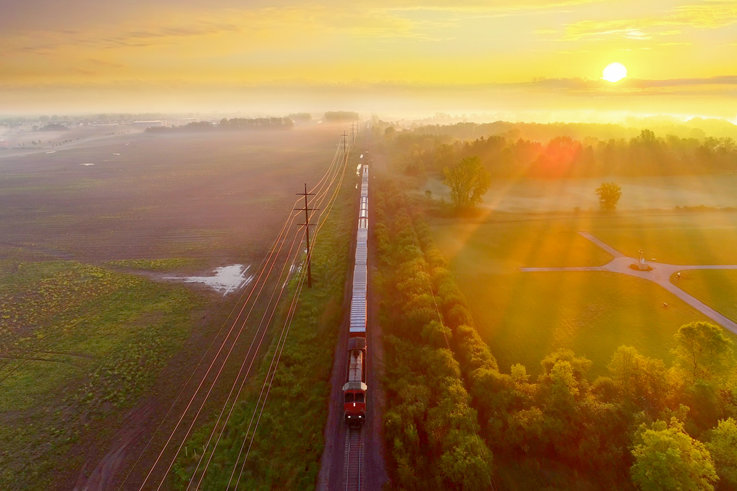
353,460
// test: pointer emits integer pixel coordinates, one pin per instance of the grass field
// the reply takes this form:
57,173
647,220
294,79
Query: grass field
638,193
717,288
683,238
525,315
88,338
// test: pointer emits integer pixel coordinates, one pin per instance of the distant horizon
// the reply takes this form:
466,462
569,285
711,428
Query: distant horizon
621,118
515,102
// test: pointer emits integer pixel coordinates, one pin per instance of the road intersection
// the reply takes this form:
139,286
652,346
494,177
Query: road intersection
660,273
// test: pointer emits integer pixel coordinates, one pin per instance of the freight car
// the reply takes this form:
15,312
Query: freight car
355,388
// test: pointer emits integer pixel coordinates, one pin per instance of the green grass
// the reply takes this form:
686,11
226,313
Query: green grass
508,243
685,238
169,264
524,316
715,288
81,344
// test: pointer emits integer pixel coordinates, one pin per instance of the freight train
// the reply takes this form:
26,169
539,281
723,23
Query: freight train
355,388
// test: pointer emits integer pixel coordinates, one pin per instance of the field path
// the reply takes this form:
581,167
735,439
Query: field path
603,245
661,273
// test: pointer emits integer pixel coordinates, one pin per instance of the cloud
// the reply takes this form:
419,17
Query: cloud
44,42
629,86
729,80
706,15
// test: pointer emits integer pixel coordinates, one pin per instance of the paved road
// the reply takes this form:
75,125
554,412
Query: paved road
661,274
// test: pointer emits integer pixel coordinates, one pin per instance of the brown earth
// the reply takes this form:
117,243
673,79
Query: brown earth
214,196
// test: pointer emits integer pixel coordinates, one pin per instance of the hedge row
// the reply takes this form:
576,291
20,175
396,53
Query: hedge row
431,428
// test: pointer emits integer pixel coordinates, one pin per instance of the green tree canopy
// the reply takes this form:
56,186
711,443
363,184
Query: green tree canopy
640,380
703,351
468,181
609,194
666,457
723,448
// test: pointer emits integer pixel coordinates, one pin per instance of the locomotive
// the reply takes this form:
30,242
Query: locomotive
355,388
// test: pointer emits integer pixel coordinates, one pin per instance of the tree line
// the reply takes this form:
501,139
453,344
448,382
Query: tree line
646,154
431,429
646,424
226,124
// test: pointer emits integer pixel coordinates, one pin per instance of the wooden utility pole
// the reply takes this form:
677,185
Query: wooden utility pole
345,155
307,234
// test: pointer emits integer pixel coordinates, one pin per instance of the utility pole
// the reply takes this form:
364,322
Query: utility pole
307,234
345,155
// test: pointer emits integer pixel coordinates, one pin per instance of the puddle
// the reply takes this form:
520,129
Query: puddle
87,164
225,279
292,269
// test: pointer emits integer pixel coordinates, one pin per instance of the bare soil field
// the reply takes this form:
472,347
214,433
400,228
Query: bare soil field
211,196
174,203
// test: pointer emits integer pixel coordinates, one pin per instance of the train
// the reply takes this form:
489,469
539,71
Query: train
355,388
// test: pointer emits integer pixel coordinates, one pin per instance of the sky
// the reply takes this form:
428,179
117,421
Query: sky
528,57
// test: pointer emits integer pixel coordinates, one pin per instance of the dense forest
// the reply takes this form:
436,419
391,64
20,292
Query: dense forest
513,153
646,424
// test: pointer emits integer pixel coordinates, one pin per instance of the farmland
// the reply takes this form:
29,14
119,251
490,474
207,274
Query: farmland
85,338
95,344
204,196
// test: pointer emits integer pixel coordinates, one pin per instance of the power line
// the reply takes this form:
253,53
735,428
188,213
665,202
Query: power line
272,261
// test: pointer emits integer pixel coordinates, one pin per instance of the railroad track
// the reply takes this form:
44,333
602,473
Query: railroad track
353,461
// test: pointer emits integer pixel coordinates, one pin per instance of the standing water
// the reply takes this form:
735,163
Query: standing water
225,279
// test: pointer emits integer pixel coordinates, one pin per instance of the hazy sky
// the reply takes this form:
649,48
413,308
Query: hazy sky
442,55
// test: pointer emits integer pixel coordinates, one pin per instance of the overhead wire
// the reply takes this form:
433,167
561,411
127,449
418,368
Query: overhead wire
259,284
270,312
277,353
318,200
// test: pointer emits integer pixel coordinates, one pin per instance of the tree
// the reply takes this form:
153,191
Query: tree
640,380
609,194
466,463
704,351
723,448
468,181
666,457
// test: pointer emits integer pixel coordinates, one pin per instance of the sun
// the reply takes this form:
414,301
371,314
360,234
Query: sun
614,72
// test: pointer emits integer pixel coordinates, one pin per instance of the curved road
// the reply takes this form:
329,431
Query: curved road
661,274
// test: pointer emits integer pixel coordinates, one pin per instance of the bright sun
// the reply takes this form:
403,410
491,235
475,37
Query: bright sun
614,72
